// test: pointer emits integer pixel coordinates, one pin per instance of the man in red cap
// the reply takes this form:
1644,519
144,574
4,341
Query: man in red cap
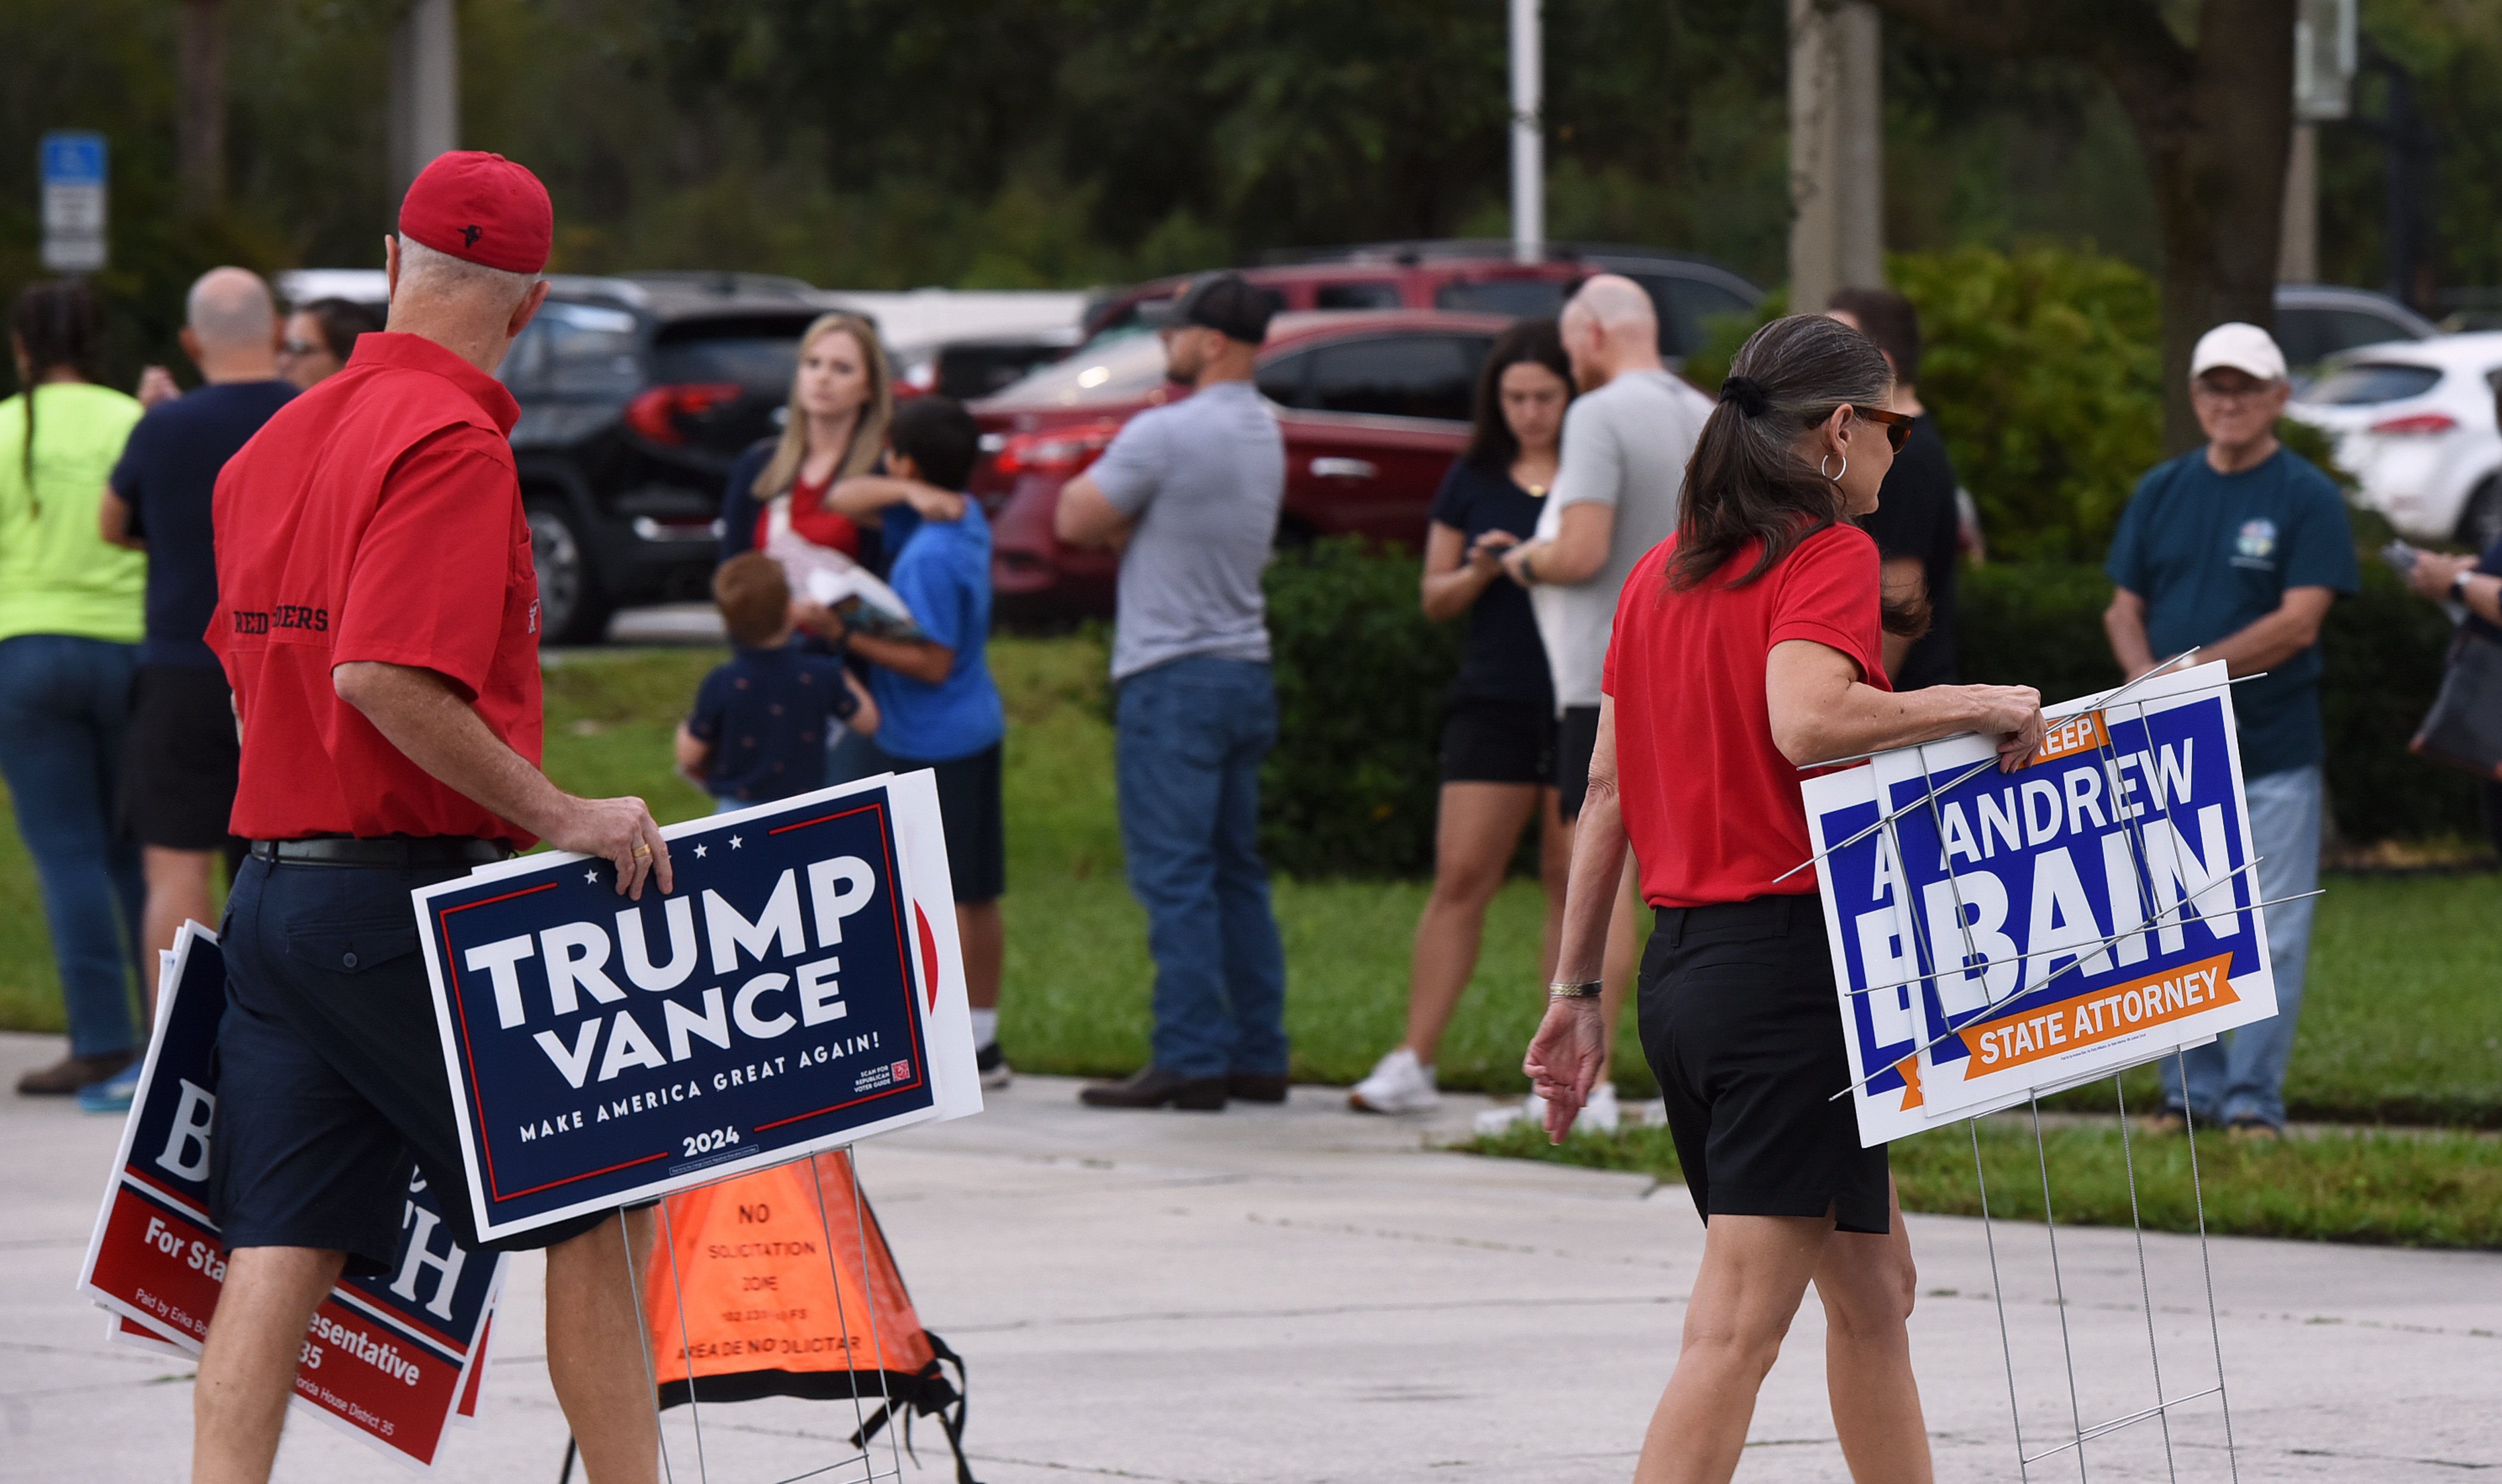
378,620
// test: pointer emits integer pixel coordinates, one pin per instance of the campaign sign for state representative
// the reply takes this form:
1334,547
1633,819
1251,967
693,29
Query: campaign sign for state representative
784,996
388,1356
2001,935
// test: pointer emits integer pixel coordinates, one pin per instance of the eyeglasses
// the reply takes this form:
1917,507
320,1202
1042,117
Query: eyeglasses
301,348
2240,393
1897,426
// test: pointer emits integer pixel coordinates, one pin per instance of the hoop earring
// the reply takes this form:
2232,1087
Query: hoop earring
1834,478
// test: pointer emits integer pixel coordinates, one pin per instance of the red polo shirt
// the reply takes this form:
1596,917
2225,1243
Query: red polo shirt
1712,806
376,517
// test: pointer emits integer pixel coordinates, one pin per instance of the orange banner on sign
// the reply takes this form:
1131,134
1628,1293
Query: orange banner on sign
2082,732
2098,1014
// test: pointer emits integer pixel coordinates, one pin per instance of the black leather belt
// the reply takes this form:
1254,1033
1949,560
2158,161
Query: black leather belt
400,852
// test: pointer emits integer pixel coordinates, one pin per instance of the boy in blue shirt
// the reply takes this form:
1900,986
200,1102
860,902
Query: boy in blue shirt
762,721
2237,549
942,711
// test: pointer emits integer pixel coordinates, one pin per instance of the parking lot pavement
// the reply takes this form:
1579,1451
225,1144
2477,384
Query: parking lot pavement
1299,1294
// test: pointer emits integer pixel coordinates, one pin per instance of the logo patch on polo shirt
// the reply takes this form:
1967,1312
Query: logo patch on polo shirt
2255,546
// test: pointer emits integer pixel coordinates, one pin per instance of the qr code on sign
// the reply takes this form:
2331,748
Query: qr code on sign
900,1070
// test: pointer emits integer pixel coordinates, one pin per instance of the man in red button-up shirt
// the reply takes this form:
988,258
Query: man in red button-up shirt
378,620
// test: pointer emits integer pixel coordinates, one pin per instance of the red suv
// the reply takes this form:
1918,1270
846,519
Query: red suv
1473,277
1373,406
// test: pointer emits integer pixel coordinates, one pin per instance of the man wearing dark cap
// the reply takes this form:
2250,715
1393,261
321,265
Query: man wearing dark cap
1188,494
378,620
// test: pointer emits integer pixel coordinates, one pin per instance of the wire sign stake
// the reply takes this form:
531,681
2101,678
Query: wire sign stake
2001,937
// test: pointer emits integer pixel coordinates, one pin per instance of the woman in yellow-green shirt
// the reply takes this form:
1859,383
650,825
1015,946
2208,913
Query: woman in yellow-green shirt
70,625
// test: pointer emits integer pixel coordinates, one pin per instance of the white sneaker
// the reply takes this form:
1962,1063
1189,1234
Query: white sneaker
1530,1110
1603,1114
1398,1084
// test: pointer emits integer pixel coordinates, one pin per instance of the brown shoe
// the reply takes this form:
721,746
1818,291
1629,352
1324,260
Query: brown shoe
2166,1123
66,1076
2256,1130
1256,1086
1155,1087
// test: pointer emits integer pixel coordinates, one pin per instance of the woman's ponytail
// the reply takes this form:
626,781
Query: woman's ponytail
1745,480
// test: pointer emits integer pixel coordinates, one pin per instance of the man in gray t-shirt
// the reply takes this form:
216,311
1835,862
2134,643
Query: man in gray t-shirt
1189,492
1200,482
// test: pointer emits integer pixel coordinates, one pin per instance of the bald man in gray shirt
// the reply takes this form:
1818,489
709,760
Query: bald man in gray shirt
1190,494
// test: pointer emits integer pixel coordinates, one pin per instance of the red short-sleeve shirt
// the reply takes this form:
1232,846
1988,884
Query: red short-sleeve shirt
376,517
1711,805
813,520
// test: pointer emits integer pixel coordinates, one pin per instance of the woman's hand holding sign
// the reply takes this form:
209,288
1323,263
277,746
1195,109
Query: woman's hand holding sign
2012,714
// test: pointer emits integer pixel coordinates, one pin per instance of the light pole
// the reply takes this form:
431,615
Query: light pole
1527,143
425,87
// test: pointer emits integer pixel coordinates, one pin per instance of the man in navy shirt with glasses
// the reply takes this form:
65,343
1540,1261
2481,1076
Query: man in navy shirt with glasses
2236,550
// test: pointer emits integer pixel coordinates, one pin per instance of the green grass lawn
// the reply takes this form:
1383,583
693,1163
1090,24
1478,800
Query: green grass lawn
2404,1019
2427,1190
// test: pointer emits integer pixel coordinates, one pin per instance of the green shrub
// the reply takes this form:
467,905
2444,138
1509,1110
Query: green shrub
2035,624
2043,369
1351,787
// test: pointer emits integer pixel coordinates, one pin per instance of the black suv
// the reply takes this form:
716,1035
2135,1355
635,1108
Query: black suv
637,394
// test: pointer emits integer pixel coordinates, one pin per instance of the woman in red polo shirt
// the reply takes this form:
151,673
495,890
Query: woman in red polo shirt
1745,647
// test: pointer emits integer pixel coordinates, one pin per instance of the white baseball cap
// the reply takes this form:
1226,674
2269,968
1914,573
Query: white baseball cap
2241,346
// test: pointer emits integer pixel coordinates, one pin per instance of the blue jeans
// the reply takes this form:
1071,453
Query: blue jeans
2241,1074
64,714
1190,737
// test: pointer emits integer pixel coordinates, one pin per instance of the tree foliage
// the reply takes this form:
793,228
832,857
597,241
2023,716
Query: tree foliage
2043,369
1027,143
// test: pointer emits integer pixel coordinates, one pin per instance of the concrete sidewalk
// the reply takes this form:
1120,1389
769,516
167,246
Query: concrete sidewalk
1301,1294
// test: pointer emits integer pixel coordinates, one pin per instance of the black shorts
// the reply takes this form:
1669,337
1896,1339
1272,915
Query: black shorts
178,770
1576,737
330,1069
1741,1024
974,819
1492,741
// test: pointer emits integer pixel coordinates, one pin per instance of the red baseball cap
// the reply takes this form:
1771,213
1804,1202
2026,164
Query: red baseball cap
479,208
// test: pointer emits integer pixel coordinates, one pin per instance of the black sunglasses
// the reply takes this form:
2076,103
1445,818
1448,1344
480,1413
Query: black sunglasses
1897,426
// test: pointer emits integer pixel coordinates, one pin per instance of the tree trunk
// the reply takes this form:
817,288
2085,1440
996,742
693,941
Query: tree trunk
2215,120
2217,163
200,113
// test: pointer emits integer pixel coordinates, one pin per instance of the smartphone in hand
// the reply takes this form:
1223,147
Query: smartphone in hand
2400,557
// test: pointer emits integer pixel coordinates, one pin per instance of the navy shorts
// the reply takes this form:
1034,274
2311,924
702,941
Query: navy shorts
331,1068
970,811
1497,741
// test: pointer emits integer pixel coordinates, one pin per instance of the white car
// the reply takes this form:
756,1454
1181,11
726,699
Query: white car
2414,422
